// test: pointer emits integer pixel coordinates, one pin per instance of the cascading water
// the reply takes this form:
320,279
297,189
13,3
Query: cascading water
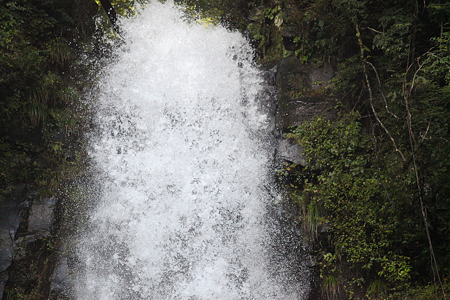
184,171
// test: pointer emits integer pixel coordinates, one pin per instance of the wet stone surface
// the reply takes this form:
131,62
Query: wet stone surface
11,211
27,256
303,92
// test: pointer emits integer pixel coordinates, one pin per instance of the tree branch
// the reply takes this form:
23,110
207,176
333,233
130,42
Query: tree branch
374,30
414,147
358,34
381,90
110,11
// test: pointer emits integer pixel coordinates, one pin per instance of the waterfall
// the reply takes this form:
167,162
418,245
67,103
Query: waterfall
184,171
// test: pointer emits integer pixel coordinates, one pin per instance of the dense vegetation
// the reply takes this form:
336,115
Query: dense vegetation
378,176
40,43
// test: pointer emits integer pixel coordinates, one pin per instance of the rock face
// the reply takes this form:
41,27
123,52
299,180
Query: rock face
291,153
10,216
291,30
27,256
41,217
303,92
60,281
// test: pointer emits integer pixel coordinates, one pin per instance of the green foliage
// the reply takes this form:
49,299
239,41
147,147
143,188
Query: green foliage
371,208
381,180
265,22
371,204
324,28
330,287
427,292
41,118
231,13
39,46
376,290
349,188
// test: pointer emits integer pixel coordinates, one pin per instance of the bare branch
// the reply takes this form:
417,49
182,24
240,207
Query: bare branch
358,34
381,90
414,148
374,30
424,137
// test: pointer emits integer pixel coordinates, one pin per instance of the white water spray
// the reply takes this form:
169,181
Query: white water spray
183,170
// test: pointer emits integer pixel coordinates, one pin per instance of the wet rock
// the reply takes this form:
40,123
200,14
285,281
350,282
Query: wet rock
30,247
292,153
30,271
288,242
11,211
270,76
291,28
289,33
325,228
303,92
311,262
267,100
60,281
41,217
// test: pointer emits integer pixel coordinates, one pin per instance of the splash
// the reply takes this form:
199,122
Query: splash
184,171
